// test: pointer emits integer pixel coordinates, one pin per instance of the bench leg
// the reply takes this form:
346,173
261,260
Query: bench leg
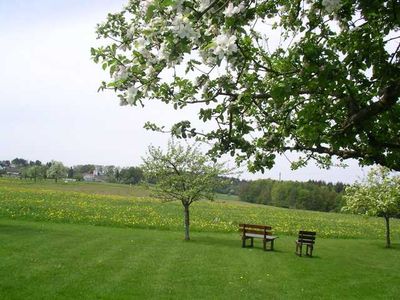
309,250
244,242
265,244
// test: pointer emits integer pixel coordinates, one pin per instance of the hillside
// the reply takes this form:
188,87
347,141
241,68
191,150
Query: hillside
51,249
131,206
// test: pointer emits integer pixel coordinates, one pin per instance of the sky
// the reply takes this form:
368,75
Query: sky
50,108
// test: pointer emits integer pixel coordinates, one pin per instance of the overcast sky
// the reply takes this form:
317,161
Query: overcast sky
49,104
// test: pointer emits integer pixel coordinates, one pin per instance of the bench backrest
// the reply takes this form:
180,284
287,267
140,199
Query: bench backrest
307,236
256,229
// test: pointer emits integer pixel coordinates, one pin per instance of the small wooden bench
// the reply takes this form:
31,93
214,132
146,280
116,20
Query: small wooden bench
251,231
305,238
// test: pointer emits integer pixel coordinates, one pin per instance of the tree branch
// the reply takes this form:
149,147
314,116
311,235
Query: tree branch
389,98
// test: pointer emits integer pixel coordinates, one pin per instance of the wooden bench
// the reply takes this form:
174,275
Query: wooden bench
250,231
305,238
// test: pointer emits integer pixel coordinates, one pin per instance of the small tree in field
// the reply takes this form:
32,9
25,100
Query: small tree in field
378,195
182,174
57,170
35,172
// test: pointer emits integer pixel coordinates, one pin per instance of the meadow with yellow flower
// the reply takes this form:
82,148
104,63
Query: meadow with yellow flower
67,203
105,241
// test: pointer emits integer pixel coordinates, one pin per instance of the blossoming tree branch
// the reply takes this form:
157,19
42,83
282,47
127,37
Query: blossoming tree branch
317,77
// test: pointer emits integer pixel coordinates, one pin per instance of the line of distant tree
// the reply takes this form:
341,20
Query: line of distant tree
231,186
35,170
311,195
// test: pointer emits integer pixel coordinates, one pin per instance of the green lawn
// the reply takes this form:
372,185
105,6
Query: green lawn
50,248
66,261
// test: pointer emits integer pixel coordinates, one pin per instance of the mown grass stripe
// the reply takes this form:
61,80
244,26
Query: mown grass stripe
66,261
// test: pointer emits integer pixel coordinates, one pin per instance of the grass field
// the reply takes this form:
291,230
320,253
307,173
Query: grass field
65,261
72,203
97,188
100,188
51,250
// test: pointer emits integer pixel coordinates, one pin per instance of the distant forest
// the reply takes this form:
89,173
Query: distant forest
310,195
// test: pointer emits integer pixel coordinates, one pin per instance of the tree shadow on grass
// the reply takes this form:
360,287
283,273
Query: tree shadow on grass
308,257
221,242
382,245
214,241
231,243
19,229
26,229
394,246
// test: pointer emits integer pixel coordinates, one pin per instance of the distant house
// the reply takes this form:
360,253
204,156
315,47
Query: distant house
66,180
96,175
98,171
89,177
13,172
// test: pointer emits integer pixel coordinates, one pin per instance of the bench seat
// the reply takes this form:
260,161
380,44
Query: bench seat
261,236
252,231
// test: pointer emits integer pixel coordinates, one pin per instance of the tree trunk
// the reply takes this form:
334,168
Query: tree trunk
187,223
387,232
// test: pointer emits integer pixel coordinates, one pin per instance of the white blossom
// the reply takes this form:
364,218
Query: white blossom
182,27
131,31
131,94
145,4
331,5
204,90
163,52
154,22
140,44
211,29
149,71
178,5
204,4
121,74
224,44
232,10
